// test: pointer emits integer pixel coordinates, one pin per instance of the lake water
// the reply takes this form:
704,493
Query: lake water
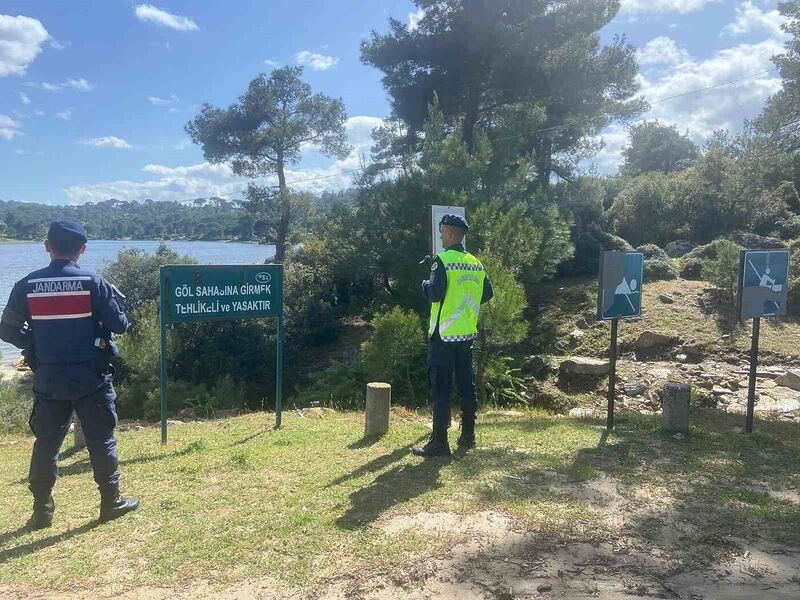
19,259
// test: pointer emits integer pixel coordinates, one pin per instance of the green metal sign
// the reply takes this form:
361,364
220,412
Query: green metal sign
192,293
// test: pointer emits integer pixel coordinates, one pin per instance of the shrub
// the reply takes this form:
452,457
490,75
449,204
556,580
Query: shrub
692,268
395,354
656,270
136,273
652,252
589,242
15,406
723,271
340,386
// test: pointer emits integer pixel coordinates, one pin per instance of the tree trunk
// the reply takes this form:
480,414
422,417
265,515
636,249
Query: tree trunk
470,118
283,225
544,157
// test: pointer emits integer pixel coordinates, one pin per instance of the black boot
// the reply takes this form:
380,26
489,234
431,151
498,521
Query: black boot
43,509
467,438
113,506
437,444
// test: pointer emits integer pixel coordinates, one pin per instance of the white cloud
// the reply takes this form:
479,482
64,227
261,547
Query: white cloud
108,141
152,14
661,51
750,18
359,131
9,128
157,101
81,85
725,107
24,98
663,6
204,180
271,63
414,19
39,113
614,140
56,45
21,40
65,115
318,62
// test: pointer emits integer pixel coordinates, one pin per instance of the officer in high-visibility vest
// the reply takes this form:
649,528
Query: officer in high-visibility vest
456,288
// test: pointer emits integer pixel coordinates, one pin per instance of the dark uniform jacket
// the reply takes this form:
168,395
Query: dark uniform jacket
65,308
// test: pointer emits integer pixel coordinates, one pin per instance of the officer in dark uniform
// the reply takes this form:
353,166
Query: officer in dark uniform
62,317
457,285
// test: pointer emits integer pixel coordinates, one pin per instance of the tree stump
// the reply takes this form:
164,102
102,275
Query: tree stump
675,407
80,439
379,400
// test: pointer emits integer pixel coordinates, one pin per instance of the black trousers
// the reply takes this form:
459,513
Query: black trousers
446,360
57,391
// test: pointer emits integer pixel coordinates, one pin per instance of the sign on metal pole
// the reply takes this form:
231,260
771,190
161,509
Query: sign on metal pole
437,212
763,292
192,293
619,296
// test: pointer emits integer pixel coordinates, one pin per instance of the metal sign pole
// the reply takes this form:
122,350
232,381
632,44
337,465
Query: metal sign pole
164,289
279,373
751,393
612,377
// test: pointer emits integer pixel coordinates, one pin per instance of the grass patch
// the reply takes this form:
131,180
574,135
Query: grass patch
228,500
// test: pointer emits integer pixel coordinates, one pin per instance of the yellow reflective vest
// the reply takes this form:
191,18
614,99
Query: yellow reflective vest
457,314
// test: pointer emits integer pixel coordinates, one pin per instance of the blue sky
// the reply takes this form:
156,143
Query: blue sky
94,94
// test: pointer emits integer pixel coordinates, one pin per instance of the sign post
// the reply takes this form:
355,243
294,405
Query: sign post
763,292
619,297
191,293
437,212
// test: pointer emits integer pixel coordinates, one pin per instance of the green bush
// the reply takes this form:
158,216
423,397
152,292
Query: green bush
395,354
340,386
137,273
723,271
691,268
657,270
652,252
15,407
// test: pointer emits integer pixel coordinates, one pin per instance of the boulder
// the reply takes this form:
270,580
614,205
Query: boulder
585,366
575,337
650,339
791,380
635,389
541,365
666,299
585,413
679,248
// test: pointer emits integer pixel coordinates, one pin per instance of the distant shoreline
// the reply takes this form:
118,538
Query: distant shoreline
254,242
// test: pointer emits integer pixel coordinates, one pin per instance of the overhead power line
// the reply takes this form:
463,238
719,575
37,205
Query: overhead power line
540,130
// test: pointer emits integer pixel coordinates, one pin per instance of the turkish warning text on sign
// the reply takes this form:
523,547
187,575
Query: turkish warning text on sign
620,291
208,292
763,283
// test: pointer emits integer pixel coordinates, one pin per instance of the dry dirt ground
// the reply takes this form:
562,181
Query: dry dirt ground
492,557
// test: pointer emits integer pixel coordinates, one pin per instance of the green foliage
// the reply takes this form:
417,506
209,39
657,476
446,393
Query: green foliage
203,219
15,406
652,252
340,386
502,382
136,273
656,270
500,326
657,147
264,132
723,271
644,212
395,354
500,63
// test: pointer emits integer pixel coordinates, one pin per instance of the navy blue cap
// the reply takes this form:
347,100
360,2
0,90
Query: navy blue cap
66,230
454,221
